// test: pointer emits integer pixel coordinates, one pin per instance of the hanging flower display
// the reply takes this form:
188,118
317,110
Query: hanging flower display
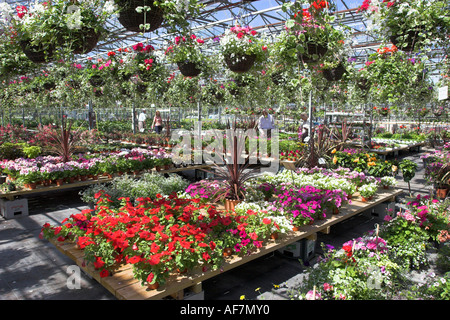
63,26
147,62
409,24
242,48
313,30
186,52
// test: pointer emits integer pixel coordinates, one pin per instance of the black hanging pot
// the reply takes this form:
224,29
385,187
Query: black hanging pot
49,85
334,74
131,19
406,41
363,84
141,88
36,53
313,52
96,81
277,78
241,64
85,40
188,69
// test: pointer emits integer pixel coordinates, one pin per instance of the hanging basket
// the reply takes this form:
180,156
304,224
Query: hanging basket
240,63
131,19
85,41
334,74
363,84
96,81
141,88
35,53
188,69
313,52
408,43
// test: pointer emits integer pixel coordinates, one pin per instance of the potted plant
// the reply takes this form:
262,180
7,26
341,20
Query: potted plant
241,48
233,172
148,15
333,71
387,182
186,52
443,180
63,26
313,29
408,169
409,24
393,74
146,63
367,191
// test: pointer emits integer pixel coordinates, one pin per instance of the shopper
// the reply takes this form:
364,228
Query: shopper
266,124
157,122
305,126
141,120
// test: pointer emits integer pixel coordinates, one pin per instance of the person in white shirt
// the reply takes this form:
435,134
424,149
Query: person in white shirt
141,120
266,124
305,127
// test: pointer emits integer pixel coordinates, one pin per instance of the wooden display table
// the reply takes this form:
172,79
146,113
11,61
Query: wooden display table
123,286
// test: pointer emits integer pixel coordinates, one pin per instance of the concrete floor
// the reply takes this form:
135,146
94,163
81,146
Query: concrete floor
33,269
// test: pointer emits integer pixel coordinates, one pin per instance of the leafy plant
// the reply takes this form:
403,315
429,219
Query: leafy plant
62,141
408,169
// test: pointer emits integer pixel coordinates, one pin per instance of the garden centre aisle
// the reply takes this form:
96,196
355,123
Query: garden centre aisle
33,269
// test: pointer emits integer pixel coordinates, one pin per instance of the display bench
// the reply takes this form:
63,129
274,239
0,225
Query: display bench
14,205
124,287
409,147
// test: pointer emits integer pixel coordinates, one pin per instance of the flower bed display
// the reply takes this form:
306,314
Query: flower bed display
159,236
376,265
49,169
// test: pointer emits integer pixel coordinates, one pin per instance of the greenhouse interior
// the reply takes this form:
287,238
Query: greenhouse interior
207,150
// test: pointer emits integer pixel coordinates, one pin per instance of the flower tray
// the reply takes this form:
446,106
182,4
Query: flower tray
240,64
131,19
188,69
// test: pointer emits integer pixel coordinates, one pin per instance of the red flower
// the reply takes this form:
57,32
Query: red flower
21,11
150,277
98,263
240,35
104,273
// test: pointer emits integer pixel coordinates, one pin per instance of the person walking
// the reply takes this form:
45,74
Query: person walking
266,124
157,122
141,120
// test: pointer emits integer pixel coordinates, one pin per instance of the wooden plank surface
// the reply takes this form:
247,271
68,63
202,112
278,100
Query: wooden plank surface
122,284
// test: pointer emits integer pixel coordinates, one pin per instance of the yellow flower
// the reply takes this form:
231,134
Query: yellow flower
257,289
242,297
373,158
335,159
394,168
385,161
334,151
276,286
356,160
